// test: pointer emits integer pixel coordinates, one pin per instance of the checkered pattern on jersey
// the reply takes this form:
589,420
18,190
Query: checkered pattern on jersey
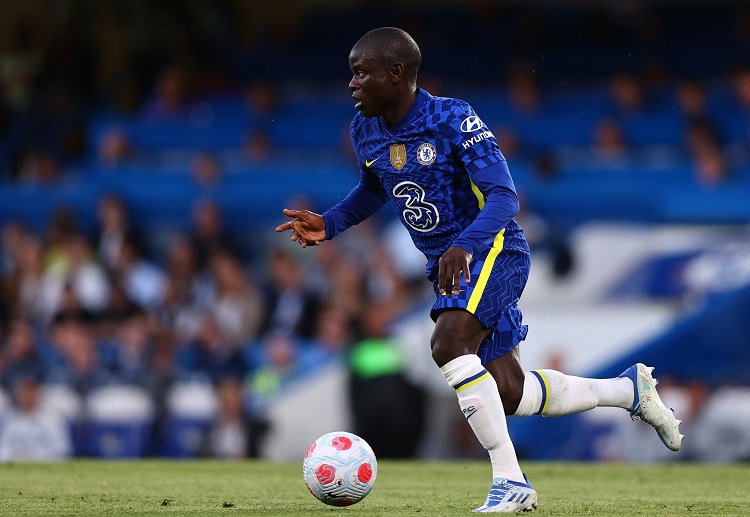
434,201
497,308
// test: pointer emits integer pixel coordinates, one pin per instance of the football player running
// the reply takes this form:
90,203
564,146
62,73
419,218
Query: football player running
442,169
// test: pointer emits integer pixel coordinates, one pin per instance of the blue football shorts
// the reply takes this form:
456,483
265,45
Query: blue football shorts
498,278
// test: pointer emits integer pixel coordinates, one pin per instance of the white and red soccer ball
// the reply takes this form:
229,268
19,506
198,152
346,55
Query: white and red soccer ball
340,468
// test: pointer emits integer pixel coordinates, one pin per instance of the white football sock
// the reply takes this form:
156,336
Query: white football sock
551,393
481,405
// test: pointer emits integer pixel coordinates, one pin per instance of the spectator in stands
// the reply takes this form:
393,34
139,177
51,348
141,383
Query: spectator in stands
78,270
387,408
206,170
20,66
113,229
334,330
341,277
626,93
691,99
522,89
62,226
701,134
258,146
72,353
741,89
235,433
706,153
508,139
209,233
261,100
31,432
12,235
28,294
291,306
209,356
171,93
189,290
710,167
39,166
22,271
238,306
610,145
144,282
19,353
130,354
115,148
386,283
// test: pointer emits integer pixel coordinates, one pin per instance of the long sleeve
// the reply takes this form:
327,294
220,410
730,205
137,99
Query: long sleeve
500,206
363,201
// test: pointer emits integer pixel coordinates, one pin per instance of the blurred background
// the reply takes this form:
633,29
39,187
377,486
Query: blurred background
146,151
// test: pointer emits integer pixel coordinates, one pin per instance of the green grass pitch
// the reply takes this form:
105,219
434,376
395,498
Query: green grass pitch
192,488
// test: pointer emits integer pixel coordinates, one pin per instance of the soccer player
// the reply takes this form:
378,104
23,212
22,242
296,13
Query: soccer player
440,166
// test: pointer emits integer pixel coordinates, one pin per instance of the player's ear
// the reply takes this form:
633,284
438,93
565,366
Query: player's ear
396,72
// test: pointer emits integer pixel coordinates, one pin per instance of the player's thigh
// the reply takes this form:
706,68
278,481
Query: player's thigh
456,333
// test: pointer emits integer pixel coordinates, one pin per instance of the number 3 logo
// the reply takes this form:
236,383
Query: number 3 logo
419,214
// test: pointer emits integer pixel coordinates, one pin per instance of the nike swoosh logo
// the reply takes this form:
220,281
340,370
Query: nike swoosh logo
369,163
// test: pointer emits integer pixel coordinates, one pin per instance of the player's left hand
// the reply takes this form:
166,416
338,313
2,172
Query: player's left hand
454,261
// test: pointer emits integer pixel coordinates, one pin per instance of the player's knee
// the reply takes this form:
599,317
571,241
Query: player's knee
444,351
440,353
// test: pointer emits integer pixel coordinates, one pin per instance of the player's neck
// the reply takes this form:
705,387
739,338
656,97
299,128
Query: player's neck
400,109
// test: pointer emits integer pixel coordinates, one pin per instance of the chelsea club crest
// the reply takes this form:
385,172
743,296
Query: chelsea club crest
426,153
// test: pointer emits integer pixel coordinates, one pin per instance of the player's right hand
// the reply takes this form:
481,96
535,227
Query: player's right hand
308,228
452,264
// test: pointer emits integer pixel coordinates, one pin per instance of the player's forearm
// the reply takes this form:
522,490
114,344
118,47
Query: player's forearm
361,203
500,206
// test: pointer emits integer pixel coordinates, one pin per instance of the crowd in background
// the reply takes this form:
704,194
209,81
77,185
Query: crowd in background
93,303
89,311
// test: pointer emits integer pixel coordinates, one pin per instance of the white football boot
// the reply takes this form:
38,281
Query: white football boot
647,406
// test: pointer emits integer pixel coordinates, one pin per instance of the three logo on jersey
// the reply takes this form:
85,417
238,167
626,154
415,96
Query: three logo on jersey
419,214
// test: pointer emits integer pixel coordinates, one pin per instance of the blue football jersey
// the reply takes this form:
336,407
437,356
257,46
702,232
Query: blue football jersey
424,166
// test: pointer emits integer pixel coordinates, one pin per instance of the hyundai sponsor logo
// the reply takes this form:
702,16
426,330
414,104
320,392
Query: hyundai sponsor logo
471,124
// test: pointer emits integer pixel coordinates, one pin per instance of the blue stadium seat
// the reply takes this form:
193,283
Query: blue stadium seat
120,421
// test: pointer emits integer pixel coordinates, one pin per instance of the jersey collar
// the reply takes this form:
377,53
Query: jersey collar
419,101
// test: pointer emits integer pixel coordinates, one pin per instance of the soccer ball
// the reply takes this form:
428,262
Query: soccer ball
340,468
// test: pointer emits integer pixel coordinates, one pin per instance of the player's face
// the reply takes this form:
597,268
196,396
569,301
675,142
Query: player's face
369,85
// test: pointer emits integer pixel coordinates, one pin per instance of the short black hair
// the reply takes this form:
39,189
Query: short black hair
393,45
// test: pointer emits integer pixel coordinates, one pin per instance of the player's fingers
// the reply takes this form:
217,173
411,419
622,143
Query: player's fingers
456,282
441,284
448,282
284,226
467,274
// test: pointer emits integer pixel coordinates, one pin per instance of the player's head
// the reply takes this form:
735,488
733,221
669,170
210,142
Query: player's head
385,63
